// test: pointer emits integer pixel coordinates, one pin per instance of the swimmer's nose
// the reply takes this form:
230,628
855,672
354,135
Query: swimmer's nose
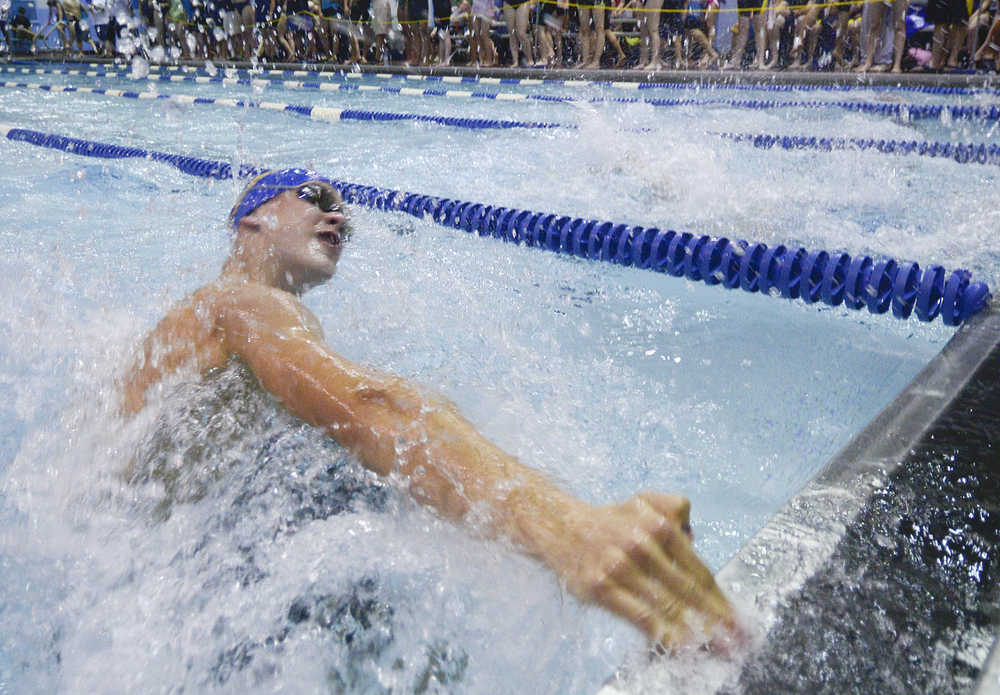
341,222
336,216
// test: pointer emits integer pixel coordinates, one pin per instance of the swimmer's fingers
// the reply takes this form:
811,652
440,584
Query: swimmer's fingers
662,628
661,570
670,572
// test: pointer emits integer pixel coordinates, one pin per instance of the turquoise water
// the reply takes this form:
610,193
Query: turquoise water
610,380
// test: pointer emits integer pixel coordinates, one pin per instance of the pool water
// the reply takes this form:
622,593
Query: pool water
609,379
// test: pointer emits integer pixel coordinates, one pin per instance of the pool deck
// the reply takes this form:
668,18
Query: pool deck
983,80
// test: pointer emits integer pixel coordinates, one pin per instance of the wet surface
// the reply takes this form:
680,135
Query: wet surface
910,600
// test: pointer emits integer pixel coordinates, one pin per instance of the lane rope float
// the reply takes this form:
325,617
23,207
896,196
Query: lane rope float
834,278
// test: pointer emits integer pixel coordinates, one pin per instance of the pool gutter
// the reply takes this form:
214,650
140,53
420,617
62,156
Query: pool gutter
803,534
766,578
979,80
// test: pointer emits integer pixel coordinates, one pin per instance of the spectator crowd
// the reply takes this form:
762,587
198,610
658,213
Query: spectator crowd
649,35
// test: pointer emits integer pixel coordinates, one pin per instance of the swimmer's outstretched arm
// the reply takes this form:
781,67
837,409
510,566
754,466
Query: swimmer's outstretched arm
634,558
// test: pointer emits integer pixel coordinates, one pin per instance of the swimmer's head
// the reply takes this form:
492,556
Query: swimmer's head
268,185
290,227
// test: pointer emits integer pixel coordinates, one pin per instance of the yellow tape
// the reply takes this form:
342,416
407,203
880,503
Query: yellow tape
716,10
580,6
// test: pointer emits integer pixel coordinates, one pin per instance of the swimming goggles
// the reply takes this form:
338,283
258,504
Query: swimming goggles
321,196
327,200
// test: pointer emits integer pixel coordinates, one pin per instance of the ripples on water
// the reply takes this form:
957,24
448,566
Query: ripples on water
275,563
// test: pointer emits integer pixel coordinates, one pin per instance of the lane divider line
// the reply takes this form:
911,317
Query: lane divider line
834,278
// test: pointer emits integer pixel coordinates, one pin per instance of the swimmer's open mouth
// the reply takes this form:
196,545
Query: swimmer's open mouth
331,238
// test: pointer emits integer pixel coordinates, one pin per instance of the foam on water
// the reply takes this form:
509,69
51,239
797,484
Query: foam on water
608,379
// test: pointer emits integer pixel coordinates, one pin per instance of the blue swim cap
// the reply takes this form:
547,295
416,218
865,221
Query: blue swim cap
270,184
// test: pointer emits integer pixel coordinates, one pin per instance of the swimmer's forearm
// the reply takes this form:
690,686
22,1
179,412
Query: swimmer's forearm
466,477
397,429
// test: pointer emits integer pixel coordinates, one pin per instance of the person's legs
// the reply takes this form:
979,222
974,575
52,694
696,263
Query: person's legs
740,44
899,34
410,55
359,16
332,26
992,42
285,39
807,28
774,23
444,45
711,17
510,19
111,38
310,38
549,33
523,29
651,31
598,45
492,58
584,36
246,27
937,45
158,19
812,41
960,15
545,48
841,33
875,18
708,54
760,39
78,41
612,39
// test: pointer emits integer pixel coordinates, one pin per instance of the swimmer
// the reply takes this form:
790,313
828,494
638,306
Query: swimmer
290,227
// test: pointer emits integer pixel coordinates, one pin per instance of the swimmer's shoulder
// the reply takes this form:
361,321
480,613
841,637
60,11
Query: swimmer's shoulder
246,308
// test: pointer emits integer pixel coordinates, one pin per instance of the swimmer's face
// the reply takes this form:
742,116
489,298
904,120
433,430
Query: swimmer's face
306,228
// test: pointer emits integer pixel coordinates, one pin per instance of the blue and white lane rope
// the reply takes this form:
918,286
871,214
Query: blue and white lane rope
793,273
319,113
963,153
736,84
911,112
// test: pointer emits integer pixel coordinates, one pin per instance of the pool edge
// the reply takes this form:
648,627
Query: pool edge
799,538
962,79
818,515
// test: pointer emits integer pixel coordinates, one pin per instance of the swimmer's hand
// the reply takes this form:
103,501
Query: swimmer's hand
636,560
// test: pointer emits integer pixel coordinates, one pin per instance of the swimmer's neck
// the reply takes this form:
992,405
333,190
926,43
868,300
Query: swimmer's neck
241,270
